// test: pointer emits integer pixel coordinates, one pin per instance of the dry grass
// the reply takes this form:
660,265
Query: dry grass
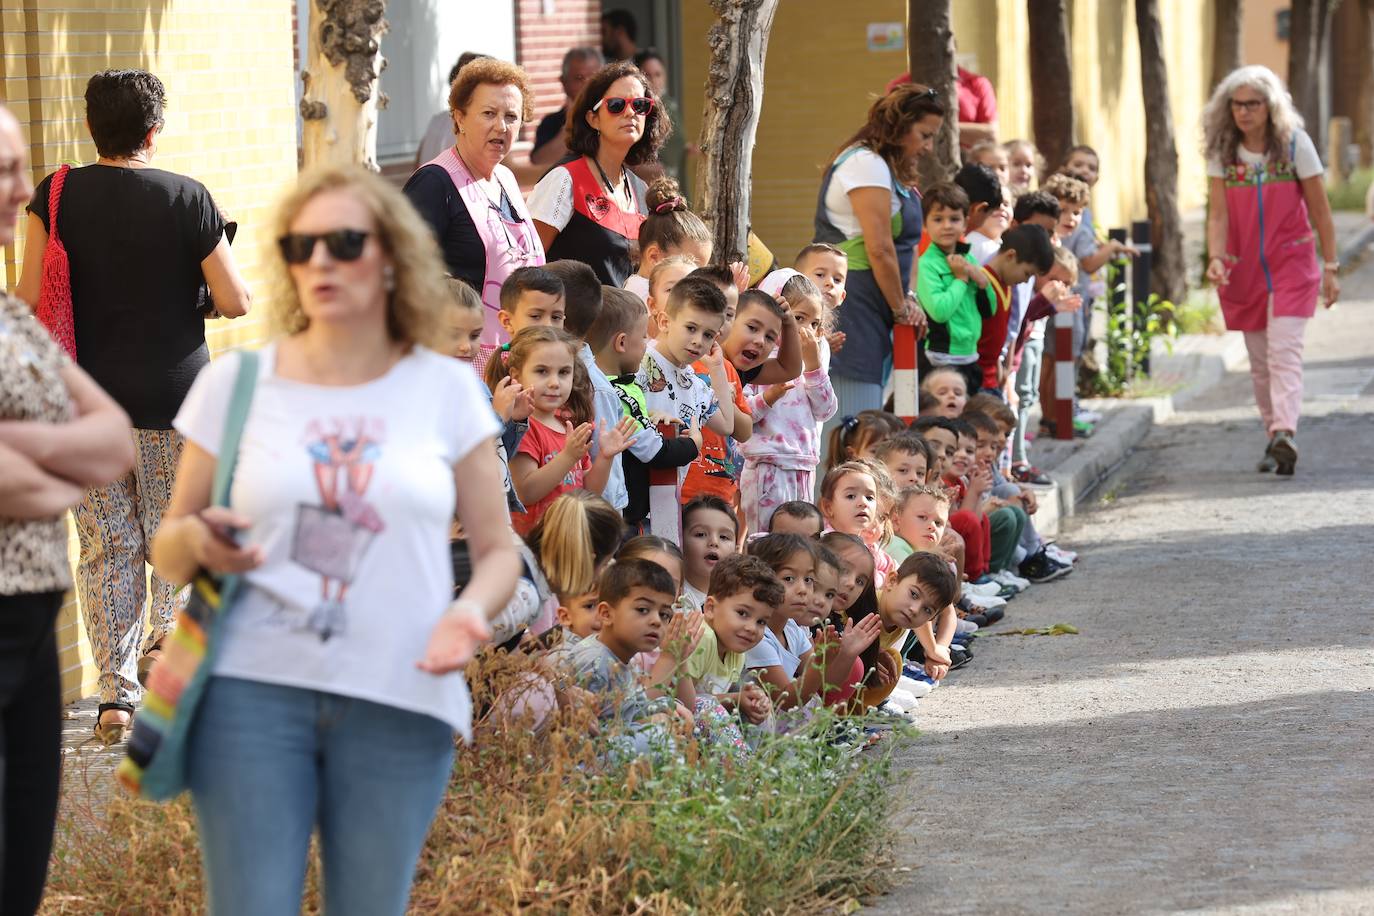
545,824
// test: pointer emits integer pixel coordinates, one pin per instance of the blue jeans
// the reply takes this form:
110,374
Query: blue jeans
852,396
267,764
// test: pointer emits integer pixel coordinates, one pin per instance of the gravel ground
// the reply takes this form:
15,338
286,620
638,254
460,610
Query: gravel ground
1205,744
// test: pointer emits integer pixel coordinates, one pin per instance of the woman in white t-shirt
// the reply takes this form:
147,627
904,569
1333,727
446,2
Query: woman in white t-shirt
335,693
868,207
1266,197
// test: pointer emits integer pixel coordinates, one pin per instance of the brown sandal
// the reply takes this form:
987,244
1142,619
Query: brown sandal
112,733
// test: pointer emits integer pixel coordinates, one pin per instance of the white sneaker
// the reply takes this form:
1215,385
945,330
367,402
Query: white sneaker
1009,578
991,589
1058,554
917,689
986,601
903,700
964,627
1088,416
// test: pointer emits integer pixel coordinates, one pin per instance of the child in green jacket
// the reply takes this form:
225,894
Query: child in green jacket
948,283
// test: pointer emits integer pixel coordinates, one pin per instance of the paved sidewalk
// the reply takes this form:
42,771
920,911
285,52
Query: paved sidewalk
1203,745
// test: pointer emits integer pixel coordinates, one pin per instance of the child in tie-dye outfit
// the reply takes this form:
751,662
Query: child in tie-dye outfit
780,458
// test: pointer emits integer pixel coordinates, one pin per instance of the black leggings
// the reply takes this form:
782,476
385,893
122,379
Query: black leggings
30,746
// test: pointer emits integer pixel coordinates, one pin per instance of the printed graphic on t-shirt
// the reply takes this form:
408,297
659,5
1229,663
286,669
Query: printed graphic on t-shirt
331,538
679,386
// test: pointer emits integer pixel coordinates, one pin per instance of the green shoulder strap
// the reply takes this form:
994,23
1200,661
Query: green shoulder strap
239,403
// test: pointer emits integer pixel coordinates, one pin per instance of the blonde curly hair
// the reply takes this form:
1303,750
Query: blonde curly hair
1220,136
415,306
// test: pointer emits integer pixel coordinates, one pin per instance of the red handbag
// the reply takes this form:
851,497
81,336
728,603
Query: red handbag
54,309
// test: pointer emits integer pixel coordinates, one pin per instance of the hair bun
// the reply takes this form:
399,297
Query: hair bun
664,196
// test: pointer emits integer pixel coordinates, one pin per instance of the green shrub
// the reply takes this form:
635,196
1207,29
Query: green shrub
1351,194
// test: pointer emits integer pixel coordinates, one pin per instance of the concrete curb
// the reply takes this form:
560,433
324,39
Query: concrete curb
1198,362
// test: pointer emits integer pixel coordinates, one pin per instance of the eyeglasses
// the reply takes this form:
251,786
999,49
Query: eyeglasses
1246,104
640,106
343,245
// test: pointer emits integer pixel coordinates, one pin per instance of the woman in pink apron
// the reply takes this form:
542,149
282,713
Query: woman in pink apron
472,201
1266,197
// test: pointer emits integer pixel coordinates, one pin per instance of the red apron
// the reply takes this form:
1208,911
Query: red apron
508,244
1269,247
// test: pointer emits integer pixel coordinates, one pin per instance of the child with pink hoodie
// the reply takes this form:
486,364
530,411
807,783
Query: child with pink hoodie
780,458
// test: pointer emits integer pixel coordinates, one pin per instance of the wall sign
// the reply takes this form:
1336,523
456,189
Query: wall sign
886,36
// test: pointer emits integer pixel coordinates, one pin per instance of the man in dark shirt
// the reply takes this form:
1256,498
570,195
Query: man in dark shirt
578,66
619,32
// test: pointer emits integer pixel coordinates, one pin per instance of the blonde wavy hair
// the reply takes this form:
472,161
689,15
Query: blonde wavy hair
1220,136
415,308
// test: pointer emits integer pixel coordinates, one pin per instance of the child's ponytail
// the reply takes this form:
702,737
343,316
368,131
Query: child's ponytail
857,432
572,539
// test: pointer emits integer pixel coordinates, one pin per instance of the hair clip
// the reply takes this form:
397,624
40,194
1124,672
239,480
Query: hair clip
505,347
849,423
668,206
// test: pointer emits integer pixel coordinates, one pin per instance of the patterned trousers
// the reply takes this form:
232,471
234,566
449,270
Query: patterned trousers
763,487
115,526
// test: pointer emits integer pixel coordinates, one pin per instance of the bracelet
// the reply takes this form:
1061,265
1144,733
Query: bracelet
1331,265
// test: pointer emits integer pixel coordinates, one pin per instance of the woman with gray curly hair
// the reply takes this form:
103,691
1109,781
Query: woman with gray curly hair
1266,197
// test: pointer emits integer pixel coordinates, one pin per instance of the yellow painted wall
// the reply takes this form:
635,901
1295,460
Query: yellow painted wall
230,119
820,81
1260,42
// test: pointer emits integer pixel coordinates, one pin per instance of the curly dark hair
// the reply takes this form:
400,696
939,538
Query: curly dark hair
889,119
121,107
584,141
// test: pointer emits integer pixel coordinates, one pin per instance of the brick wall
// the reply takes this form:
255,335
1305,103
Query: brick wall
541,41
230,124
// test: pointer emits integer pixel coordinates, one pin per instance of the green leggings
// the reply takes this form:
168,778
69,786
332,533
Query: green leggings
1006,525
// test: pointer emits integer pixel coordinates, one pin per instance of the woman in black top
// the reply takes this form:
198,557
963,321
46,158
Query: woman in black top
589,207
472,201
142,244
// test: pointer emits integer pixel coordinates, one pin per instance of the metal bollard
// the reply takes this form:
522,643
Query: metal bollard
905,379
1140,281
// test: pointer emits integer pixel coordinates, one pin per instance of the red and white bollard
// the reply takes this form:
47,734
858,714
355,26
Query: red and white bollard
1065,379
665,510
906,383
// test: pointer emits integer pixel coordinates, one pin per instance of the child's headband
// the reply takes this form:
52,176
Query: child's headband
774,282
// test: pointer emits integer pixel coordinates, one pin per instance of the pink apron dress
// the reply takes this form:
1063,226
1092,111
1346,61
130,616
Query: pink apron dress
1269,246
508,244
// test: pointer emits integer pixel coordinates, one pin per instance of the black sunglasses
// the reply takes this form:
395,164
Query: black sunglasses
615,105
343,245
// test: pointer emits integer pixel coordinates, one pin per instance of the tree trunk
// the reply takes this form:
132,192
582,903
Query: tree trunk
734,99
1226,26
1307,64
1364,99
1161,157
930,58
341,99
1051,80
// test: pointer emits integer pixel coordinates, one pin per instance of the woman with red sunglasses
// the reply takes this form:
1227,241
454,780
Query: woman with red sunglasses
588,208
